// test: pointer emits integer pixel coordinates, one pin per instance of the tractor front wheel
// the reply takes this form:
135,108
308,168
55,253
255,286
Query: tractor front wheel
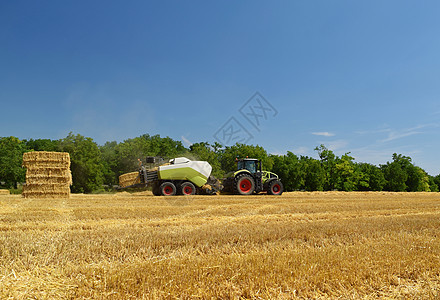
275,188
244,184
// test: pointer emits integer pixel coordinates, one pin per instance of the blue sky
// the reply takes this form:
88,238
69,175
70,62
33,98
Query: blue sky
356,76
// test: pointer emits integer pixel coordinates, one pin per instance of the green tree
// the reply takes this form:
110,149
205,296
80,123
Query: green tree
402,175
395,178
11,160
86,164
347,176
435,183
372,178
42,145
328,163
110,162
129,151
418,180
289,169
395,173
315,175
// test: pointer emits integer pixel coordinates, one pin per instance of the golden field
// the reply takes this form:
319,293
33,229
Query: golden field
301,245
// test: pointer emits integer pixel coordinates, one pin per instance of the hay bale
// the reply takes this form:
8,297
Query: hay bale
129,179
49,179
35,156
47,195
48,174
43,159
46,190
4,192
46,187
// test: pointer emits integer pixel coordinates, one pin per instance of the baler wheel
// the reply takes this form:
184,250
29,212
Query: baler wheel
167,189
187,188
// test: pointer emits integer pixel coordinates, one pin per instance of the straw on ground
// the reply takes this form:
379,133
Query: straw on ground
299,245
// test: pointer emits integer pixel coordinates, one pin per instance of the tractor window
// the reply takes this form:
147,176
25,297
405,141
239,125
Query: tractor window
250,165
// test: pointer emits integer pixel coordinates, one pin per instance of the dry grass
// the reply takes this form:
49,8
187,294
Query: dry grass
300,245
4,192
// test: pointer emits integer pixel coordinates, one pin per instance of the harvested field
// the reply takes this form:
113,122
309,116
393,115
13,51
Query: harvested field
4,192
300,245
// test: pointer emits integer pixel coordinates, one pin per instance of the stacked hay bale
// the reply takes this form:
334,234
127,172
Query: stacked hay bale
4,192
129,179
48,175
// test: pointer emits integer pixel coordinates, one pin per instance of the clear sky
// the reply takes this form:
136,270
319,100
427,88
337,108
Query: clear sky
358,76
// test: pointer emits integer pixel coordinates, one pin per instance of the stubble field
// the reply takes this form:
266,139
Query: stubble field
299,245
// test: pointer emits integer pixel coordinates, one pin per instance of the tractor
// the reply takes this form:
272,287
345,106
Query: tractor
250,179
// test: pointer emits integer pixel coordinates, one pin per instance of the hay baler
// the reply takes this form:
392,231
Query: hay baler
181,176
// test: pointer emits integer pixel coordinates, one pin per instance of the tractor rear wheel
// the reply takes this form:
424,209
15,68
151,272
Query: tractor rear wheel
167,189
244,184
187,188
275,188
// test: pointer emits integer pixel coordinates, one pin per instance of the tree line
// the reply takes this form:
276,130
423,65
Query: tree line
97,167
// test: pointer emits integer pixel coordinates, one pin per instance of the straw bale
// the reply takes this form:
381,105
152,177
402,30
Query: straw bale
129,179
46,190
46,195
47,165
46,187
47,172
48,179
4,192
41,176
46,156
45,159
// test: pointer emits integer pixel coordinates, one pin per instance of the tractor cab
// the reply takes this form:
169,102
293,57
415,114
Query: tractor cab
251,164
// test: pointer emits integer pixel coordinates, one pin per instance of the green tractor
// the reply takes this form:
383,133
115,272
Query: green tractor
249,179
